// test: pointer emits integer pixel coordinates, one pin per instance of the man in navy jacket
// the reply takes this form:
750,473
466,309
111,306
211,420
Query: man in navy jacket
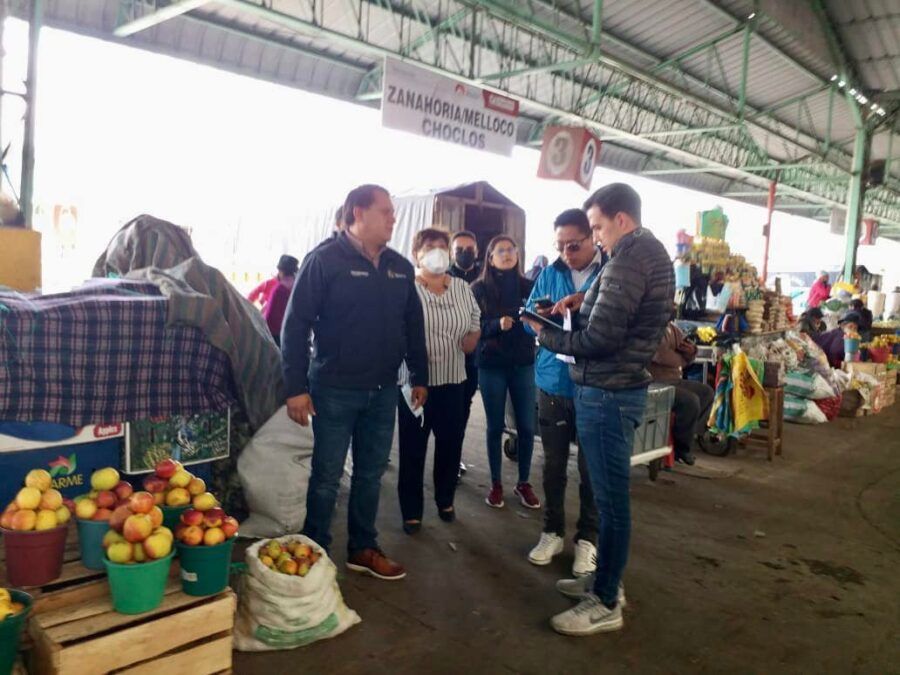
355,301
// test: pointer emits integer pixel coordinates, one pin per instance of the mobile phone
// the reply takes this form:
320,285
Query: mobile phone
544,303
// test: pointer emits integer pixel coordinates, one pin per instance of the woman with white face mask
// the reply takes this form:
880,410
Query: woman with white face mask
452,329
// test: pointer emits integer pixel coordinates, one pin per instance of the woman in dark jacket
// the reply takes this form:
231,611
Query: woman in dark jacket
505,359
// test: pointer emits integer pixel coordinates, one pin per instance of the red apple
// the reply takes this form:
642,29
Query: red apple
157,546
137,527
167,468
141,502
213,517
192,535
179,531
155,484
156,515
229,527
103,514
123,490
192,517
118,517
69,504
106,499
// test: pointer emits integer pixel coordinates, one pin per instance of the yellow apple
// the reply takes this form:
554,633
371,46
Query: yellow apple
104,479
38,478
181,479
46,520
28,498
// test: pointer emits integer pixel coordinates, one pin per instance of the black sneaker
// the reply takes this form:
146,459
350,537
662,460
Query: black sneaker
686,458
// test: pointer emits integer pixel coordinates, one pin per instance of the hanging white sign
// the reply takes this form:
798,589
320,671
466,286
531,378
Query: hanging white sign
431,105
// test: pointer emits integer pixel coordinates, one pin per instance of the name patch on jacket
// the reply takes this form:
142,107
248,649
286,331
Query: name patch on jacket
395,275
358,273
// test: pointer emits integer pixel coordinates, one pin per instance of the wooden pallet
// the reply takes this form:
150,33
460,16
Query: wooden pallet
185,635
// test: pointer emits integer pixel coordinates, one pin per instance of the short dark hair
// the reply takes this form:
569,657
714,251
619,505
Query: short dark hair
429,234
857,304
361,197
573,218
464,233
616,198
288,264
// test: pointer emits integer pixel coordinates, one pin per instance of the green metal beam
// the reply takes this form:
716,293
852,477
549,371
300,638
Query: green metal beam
545,68
855,194
714,168
158,16
745,69
676,132
597,23
26,188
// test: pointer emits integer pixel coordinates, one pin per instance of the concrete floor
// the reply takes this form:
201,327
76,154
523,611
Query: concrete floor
745,566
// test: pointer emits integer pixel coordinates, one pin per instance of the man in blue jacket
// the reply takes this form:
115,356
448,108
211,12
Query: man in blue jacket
574,271
357,298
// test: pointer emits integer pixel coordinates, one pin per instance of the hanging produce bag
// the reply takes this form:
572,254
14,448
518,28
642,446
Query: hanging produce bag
751,405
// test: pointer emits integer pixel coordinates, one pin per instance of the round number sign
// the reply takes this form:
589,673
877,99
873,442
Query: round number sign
588,162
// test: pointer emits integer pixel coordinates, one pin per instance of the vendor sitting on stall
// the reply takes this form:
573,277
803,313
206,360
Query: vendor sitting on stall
812,322
693,400
865,319
832,341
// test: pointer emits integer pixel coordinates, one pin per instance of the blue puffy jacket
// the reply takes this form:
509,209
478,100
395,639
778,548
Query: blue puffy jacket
555,282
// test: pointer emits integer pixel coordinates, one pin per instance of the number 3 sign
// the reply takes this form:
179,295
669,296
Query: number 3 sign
569,153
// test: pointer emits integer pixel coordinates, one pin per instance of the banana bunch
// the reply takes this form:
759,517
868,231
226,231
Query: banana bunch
706,334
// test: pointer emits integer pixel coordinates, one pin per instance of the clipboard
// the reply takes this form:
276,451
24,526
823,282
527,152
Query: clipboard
549,323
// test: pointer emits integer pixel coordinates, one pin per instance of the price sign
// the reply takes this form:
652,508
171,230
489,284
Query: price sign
569,153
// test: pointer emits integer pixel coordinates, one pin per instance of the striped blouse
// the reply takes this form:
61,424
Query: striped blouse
448,318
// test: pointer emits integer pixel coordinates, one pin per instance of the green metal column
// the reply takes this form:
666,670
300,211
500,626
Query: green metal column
27,184
597,23
855,200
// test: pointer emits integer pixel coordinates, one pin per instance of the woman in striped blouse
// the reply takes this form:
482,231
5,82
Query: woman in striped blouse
452,329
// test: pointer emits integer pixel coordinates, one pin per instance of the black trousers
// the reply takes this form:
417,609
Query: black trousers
470,386
556,422
693,401
444,413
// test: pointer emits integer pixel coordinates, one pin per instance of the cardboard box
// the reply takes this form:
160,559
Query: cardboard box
20,258
191,439
70,465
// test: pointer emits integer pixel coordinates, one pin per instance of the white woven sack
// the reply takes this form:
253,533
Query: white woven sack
281,611
274,469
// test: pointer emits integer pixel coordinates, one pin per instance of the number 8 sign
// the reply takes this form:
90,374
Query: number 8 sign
569,153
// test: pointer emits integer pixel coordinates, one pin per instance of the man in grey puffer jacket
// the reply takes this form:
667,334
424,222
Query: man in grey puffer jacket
621,321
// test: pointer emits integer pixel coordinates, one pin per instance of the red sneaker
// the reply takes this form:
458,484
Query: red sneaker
526,496
373,562
495,496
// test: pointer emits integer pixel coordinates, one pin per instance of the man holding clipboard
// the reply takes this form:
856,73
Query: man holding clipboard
621,320
577,267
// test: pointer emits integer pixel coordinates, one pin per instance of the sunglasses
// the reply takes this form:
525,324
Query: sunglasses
571,246
505,250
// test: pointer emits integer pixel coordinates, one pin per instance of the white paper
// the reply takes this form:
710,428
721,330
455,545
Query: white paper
419,412
567,325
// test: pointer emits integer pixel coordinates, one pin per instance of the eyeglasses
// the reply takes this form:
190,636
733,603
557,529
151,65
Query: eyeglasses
505,250
571,246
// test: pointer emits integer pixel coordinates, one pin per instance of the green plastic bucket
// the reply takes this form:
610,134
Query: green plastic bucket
205,569
172,515
138,587
10,630
90,542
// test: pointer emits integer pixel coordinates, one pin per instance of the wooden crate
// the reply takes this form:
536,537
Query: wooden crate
185,635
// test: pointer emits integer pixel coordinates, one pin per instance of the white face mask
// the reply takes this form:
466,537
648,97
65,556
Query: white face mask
436,261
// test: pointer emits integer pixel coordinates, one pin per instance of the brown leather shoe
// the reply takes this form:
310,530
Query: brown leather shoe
374,562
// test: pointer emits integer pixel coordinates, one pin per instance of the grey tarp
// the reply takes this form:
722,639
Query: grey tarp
157,251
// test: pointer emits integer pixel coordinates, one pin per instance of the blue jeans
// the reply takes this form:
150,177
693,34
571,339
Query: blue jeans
519,382
606,420
367,417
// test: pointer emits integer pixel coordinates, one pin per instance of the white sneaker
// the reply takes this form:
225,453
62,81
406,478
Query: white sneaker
549,545
585,558
588,617
576,589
